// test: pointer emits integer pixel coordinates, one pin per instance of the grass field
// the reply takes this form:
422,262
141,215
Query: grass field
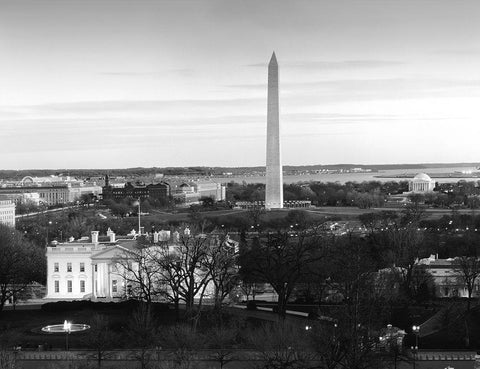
25,325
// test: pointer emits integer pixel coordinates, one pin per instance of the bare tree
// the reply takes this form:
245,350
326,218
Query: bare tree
182,340
221,340
255,214
142,330
363,308
283,346
467,270
8,340
101,338
20,264
141,274
221,264
183,274
281,260
402,243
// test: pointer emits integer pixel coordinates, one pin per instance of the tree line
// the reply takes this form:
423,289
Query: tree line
360,194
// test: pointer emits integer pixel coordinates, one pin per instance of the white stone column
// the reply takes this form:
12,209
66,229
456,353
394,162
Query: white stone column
109,280
94,290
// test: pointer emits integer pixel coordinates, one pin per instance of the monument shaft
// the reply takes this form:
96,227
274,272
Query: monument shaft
274,186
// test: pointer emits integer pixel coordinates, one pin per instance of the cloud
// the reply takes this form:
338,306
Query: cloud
132,108
129,74
183,72
352,90
334,65
456,52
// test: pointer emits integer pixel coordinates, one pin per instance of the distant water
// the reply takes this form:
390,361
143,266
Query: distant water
451,176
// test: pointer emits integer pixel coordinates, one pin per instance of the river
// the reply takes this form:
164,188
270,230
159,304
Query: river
448,174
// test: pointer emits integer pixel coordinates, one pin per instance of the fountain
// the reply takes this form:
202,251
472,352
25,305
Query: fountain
67,328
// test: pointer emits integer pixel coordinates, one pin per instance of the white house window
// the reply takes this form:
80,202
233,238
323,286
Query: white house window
57,286
114,286
69,267
82,286
55,267
82,267
69,286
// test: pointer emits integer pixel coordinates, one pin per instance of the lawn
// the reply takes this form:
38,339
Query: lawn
456,326
27,324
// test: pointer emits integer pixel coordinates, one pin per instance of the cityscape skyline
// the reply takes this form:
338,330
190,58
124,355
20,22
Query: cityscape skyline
115,84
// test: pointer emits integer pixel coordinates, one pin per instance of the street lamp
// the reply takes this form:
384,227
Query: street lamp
67,327
415,330
48,229
138,211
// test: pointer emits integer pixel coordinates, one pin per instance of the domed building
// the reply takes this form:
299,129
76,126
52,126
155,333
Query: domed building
421,183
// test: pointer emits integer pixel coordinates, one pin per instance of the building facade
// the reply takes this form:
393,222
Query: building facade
7,212
95,269
60,194
421,183
136,190
447,277
83,269
190,193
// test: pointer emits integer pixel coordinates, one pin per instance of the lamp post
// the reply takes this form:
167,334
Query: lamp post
139,225
67,327
415,330
48,229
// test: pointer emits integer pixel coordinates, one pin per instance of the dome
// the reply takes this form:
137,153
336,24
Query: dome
422,177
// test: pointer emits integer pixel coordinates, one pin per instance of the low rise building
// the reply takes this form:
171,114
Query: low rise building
53,194
94,268
447,277
137,190
191,193
7,212
292,204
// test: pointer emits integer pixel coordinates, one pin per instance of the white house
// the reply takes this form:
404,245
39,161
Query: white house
91,270
84,270
447,277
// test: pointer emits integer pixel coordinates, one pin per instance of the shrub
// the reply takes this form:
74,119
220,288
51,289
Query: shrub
251,305
312,315
67,305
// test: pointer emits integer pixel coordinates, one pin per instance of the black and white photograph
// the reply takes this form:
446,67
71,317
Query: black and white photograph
240,184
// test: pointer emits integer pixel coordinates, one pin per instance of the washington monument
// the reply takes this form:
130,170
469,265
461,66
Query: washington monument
274,188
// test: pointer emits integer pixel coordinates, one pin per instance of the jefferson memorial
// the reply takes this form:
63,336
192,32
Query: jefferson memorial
421,183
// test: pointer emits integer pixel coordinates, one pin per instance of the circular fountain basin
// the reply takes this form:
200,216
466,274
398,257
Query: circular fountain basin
60,328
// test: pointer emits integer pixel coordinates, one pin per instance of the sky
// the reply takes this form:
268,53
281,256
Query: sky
130,83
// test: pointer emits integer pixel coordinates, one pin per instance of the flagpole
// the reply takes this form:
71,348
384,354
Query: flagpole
139,229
